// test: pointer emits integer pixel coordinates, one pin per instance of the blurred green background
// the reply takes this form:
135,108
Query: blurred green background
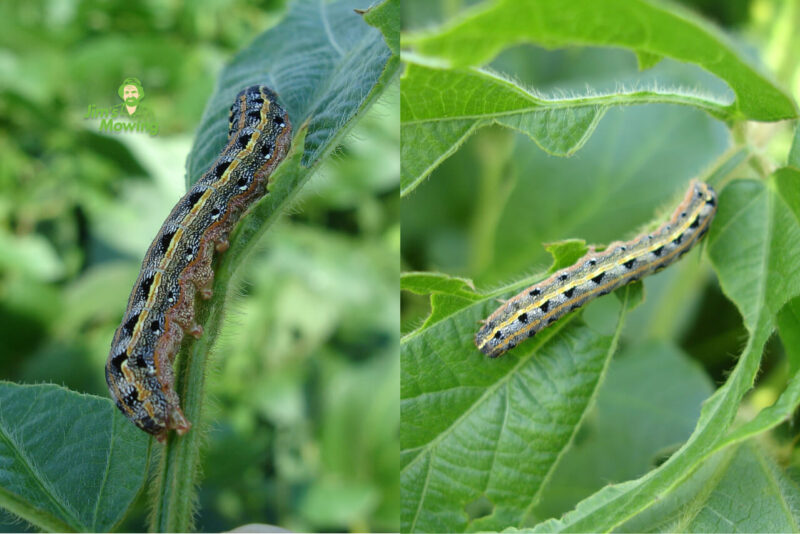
486,211
304,414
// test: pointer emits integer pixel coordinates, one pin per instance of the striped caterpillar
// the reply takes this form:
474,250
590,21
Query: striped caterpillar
598,273
177,265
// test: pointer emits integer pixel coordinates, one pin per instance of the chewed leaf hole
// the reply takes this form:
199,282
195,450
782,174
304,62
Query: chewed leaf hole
480,507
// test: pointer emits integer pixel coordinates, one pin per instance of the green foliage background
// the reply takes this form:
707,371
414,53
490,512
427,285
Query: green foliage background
625,417
295,437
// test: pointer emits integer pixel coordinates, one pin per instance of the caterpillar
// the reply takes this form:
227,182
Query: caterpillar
178,263
598,273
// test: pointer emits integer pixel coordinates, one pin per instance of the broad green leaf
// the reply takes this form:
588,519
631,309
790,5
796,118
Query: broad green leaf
511,417
322,59
566,253
648,405
447,294
739,489
386,17
71,462
443,305
441,108
446,98
328,65
647,60
754,245
642,26
427,283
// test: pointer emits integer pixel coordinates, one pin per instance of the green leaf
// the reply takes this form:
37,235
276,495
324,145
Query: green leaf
511,417
566,253
71,462
448,294
441,108
426,283
650,398
754,245
444,305
445,99
647,60
386,17
641,26
328,66
323,60
739,489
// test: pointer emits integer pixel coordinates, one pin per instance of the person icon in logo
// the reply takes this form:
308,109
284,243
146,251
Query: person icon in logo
131,92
